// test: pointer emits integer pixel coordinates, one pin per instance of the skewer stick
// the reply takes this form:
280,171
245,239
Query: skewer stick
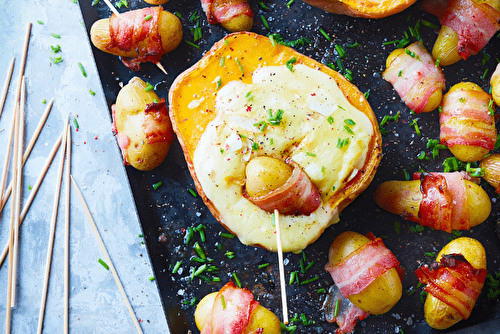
3,197
66,232
27,152
281,267
50,247
19,182
33,192
23,61
11,229
6,85
106,255
113,9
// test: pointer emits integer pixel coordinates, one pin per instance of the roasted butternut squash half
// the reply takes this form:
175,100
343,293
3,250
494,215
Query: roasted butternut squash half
371,9
249,98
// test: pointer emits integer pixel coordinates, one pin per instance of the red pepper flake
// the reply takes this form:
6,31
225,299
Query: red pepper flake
95,137
313,94
84,142
249,108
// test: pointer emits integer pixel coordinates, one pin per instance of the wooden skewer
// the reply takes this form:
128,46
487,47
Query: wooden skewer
19,183
3,197
6,84
66,231
11,230
281,267
33,192
50,247
106,255
27,152
113,9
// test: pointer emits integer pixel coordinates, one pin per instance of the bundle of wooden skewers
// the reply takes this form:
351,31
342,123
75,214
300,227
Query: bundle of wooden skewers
11,197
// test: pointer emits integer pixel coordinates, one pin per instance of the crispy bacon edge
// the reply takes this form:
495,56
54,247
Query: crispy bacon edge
454,281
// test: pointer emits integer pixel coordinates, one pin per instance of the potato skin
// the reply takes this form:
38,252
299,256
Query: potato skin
403,198
260,317
383,293
437,313
156,2
130,120
169,27
491,166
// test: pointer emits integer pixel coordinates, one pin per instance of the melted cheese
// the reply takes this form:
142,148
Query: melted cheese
319,130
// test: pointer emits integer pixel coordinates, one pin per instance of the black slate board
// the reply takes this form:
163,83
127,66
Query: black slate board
167,212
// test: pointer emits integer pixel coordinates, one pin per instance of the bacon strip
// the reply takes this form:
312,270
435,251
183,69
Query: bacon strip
298,194
444,203
347,313
454,281
475,24
220,11
232,315
362,267
466,119
130,28
415,76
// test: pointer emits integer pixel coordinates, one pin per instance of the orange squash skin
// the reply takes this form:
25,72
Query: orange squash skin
244,52
371,9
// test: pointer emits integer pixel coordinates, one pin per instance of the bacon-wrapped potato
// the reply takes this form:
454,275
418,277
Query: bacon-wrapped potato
141,125
367,273
466,27
443,201
467,123
234,308
234,15
144,35
491,168
416,78
454,282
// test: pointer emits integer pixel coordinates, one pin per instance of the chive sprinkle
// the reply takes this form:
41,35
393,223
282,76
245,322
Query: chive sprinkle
157,185
290,62
237,280
227,235
76,123
148,87
240,66
310,280
289,3
223,301
55,35
148,17
152,278
328,38
264,21
39,21
104,264
82,69
192,192
264,265
176,267
337,304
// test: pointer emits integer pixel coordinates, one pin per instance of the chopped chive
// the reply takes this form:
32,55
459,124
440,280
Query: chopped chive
430,25
196,259
201,269
189,235
261,266
39,21
397,226
430,254
148,17
55,49
55,35
223,301
240,66
348,129
227,235
302,268
199,250
263,5
322,290
349,122
44,101
176,267
104,264
152,278
311,154
237,280
330,119
222,61
337,304
157,185
309,265
293,275
148,87
290,62
340,50
191,44
76,123
55,60
289,3
91,92
310,280
328,38
264,21
192,192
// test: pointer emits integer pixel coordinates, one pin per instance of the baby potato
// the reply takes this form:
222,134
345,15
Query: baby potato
495,85
403,198
438,314
241,22
467,152
435,98
261,317
445,47
491,167
144,136
265,174
169,28
383,293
